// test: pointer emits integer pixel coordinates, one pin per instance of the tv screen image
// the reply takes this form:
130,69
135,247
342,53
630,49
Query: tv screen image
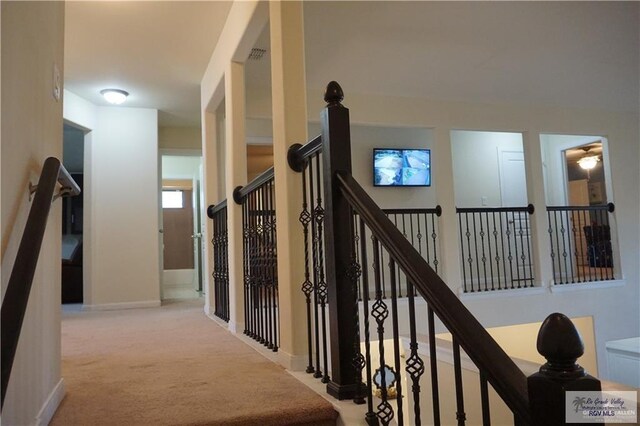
401,167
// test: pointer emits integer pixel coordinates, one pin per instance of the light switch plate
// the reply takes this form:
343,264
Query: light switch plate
57,84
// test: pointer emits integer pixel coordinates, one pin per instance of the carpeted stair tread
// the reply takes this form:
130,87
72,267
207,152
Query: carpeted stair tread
174,366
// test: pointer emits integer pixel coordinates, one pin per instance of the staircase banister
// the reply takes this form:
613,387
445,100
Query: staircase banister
503,374
298,155
608,207
242,191
215,208
16,296
528,209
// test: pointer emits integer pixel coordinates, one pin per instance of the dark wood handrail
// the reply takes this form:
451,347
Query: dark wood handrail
16,297
213,209
437,210
505,377
298,154
608,207
528,209
242,191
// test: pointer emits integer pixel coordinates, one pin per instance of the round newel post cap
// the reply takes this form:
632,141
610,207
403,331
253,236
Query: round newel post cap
333,94
560,343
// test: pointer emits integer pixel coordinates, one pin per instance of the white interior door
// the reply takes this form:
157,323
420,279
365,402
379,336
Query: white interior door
513,191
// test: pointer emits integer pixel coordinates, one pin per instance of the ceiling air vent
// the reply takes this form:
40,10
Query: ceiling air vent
257,54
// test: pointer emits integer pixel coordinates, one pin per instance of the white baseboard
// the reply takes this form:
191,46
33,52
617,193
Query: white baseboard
123,305
293,362
179,278
51,404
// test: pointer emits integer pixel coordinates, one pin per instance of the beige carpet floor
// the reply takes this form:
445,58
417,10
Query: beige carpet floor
174,366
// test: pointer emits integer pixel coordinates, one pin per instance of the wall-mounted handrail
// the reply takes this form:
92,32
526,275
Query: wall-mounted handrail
16,297
505,377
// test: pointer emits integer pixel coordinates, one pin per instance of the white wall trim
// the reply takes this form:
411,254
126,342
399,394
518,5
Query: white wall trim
496,294
191,152
123,305
51,404
594,285
214,318
292,362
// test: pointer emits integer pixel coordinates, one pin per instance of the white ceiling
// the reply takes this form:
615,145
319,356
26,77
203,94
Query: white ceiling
567,54
155,50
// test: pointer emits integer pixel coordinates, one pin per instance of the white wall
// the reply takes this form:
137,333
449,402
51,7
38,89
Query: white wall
180,138
121,245
32,42
124,165
181,167
476,165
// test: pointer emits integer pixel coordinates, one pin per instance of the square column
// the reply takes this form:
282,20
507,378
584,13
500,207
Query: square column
235,175
211,196
289,105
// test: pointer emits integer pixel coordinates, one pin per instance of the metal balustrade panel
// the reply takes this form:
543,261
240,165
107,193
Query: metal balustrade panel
580,242
495,248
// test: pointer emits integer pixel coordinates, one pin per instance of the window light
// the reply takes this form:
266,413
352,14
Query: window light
172,200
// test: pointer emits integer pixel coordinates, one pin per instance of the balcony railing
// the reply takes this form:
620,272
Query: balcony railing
580,238
220,241
257,199
495,248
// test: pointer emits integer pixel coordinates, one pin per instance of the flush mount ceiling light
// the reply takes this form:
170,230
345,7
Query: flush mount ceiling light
114,96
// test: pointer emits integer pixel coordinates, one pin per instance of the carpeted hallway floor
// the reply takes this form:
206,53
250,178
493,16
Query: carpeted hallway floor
173,366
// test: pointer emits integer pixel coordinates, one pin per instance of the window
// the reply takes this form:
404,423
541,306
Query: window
172,199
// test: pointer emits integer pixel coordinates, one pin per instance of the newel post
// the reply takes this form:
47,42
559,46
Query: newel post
560,343
336,153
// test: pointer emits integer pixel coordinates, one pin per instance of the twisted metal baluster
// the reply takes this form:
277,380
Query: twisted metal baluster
307,287
322,285
371,415
380,312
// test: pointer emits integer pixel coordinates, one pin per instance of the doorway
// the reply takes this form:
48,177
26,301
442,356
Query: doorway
182,223
72,218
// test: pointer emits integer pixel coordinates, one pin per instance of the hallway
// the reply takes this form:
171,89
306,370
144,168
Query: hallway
174,366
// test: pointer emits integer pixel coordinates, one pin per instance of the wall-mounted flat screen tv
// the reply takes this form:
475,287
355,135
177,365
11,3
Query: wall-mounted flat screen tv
401,167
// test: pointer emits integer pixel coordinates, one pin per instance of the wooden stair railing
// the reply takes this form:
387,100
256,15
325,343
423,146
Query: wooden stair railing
16,297
534,400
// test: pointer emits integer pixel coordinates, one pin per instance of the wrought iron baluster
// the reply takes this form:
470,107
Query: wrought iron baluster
433,362
461,416
515,241
371,415
307,286
489,258
380,312
396,339
509,255
316,272
475,245
322,285
495,240
434,237
553,255
482,243
484,400
415,365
